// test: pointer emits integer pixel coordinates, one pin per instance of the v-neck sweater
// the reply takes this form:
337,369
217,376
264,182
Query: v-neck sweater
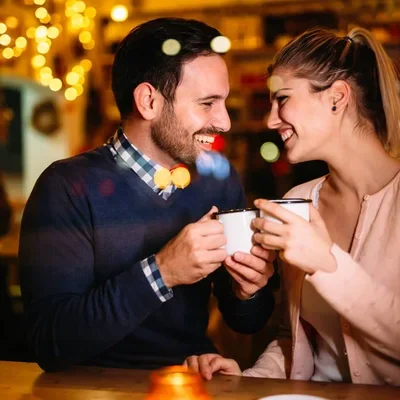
88,223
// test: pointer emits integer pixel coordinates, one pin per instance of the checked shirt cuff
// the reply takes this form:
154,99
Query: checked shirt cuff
152,273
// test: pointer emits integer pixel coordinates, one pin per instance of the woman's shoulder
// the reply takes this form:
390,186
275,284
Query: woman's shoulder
306,190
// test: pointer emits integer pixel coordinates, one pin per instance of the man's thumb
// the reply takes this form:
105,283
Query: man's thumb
208,216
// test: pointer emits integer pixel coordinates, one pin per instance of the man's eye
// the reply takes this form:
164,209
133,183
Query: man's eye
209,104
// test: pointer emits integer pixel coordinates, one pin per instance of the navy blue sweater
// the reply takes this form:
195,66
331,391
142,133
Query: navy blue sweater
87,224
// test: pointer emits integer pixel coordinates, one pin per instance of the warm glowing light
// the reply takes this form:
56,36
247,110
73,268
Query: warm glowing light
17,51
39,2
12,22
38,61
180,177
5,40
41,32
270,152
46,71
21,42
3,28
85,37
79,7
220,44
77,21
45,79
31,32
89,46
90,12
71,94
171,47
86,65
79,89
43,48
55,84
72,78
119,13
8,53
81,80
53,32
274,83
40,13
46,19
78,69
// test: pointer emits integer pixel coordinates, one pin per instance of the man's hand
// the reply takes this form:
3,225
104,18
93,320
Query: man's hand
207,364
250,272
194,253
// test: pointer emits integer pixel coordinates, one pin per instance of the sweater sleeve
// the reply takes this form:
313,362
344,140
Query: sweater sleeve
275,361
71,317
369,306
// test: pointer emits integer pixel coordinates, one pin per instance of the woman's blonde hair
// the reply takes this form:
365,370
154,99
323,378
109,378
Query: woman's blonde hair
359,59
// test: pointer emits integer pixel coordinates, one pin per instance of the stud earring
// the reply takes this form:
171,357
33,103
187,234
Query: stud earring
334,108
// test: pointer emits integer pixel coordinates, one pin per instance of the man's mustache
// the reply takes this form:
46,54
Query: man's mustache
209,131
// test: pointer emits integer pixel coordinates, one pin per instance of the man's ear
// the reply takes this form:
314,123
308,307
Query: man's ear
148,101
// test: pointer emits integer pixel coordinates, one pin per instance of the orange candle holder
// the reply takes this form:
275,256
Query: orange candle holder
176,383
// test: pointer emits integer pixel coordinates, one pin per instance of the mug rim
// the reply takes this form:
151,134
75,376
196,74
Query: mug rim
290,200
234,210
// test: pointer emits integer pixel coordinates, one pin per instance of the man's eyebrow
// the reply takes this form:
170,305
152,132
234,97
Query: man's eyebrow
211,97
274,94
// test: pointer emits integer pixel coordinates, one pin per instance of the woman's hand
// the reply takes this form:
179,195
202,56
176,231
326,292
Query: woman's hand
303,244
207,364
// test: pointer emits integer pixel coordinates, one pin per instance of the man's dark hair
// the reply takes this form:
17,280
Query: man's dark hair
140,58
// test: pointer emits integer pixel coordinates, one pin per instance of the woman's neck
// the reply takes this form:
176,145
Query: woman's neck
361,167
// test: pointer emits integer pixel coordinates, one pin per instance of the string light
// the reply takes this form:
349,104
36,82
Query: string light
80,21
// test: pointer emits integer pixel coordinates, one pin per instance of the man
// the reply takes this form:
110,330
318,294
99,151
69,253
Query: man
115,271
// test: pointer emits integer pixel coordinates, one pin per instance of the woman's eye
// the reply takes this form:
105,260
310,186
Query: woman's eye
282,99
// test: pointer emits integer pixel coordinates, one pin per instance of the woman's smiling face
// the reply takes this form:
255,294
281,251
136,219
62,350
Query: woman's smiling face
303,119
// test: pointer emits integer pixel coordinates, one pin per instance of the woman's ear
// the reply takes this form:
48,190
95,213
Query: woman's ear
340,95
148,100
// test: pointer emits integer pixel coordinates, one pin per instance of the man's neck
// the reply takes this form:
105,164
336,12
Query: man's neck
139,134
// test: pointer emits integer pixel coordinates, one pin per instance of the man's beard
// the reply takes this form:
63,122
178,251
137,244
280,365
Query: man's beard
170,136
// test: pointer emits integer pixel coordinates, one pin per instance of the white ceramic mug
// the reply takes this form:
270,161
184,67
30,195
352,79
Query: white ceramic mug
237,229
297,206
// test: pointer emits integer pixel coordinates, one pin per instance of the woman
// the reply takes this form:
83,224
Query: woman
335,99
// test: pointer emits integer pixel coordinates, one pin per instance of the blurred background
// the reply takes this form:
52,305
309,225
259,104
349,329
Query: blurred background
56,101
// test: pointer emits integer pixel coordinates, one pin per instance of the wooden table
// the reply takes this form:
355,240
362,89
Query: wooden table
26,381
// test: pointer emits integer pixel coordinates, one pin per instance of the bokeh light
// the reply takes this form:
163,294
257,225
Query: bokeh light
8,53
119,13
71,94
274,83
171,47
219,143
53,32
221,167
269,152
5,40
180,177
12,22
162,178
212,162
21,42
220,44
3,28
55,84
38,61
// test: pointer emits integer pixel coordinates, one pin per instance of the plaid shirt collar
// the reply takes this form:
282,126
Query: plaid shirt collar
142,165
